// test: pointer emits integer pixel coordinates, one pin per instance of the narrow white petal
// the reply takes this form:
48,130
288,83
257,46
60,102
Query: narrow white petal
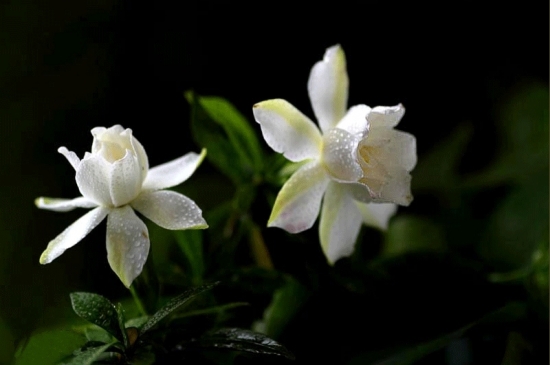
170,210
355,120
64,205
340,155
141,156
386,116
377,214
286,130
174,172
328,88
70,156
125,179
93,178
340,223
297,205
127,244
73,234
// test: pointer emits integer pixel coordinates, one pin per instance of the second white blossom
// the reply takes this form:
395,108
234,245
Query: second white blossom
357,164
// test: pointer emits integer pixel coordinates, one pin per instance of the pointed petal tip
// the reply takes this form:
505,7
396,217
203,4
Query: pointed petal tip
39,202
44,259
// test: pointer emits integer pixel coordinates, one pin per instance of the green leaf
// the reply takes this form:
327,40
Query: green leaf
97,334
413,233
231,143
523,125
88,356
174,304
98,310
49,347
517,226
190,243
137,322
219,309
121,322
237,127
286,302
237,339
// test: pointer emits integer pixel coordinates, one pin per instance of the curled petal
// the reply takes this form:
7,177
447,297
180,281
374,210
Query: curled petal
64,205
355,121
73,234
396,190
340,155
127,244
386,157
70,156
93,179
170,210
286,130
328,88
340,223
174,172
377,214
141,156
298,203
398,148
125,179
386,116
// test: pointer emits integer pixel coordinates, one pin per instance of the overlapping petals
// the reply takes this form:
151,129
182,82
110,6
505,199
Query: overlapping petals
359,165
114,178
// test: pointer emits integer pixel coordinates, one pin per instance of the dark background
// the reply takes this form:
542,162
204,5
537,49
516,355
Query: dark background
66,67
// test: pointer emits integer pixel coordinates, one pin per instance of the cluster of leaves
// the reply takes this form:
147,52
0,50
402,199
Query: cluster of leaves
111,339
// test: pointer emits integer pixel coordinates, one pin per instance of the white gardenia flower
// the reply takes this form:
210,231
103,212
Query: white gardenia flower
356,163
115,179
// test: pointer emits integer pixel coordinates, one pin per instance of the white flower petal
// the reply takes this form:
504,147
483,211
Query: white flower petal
396,190
397,147
141,156
386,157
355,120
328,88
340,223
73,234
297,205
93,178
64,205
340,155
174,172
127,244
377,214
125,179
70,156
286,130
170,210
359,192
386,116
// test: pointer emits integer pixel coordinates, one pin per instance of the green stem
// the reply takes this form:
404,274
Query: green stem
137,300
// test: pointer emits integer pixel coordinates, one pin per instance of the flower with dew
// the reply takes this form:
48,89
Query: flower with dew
357,164
114,179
